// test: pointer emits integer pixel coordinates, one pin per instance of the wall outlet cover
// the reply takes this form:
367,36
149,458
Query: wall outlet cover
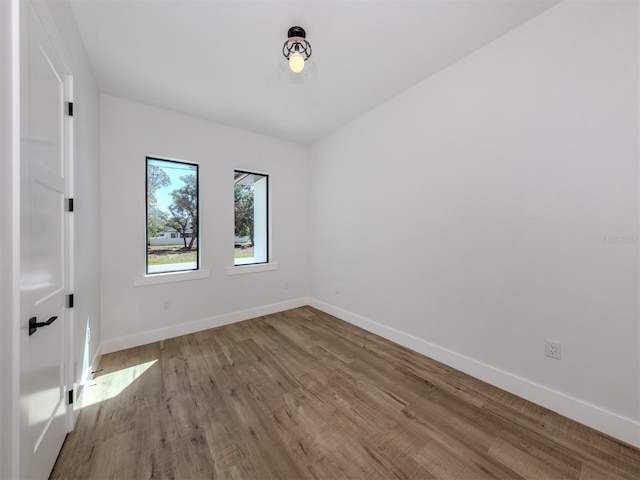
552,349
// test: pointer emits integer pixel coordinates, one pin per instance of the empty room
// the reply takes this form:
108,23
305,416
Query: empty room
306,239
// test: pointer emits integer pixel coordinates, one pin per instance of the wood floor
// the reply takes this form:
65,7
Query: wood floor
301,394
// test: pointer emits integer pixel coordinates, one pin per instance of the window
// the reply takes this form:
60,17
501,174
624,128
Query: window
172,216
251,202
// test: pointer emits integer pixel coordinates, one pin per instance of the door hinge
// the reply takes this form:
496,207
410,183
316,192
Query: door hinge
70,109
69,204
70,300
70,397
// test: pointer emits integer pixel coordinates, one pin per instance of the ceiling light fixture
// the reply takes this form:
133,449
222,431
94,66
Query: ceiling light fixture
297,50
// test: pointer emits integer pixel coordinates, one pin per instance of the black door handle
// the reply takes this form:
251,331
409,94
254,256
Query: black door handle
34,324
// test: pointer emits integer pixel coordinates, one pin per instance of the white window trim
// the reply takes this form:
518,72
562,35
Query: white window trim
170,277
252,268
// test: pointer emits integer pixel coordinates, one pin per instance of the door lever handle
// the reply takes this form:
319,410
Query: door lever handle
34,324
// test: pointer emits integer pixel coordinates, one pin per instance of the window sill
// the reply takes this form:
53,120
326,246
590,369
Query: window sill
170,277
242,269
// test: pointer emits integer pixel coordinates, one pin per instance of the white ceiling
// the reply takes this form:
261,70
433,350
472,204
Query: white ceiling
218,60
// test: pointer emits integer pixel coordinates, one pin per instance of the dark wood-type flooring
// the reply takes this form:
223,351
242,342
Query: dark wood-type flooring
301,394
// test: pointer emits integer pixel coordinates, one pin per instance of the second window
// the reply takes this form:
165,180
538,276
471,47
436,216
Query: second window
251,207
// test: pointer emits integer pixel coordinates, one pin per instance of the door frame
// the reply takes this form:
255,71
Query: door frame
9,237
70,248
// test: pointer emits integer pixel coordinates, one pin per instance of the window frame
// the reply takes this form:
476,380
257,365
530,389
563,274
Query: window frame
267,264
174,275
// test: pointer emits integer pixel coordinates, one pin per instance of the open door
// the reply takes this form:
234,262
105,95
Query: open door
44,245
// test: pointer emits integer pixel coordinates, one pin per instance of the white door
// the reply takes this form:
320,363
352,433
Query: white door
44,252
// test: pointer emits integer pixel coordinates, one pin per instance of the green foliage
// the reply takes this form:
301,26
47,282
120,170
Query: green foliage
169,254
244,254
156,178
156,222
243,231
243,196
170,260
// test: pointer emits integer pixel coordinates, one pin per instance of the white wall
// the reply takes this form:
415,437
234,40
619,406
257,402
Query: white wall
133,315
477,204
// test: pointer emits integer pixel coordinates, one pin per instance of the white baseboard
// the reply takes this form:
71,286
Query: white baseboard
610,423
137,339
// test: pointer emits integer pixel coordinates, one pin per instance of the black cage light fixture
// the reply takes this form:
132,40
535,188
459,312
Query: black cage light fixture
297,51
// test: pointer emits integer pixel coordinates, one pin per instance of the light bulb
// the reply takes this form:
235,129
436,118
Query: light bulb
296,63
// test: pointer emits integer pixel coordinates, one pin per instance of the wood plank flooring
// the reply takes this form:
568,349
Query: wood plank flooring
303,395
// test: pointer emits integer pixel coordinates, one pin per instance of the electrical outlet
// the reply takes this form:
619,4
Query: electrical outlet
337,290
166,305
286,285
552,349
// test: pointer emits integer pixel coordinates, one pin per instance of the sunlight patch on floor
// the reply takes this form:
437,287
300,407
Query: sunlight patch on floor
112,384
